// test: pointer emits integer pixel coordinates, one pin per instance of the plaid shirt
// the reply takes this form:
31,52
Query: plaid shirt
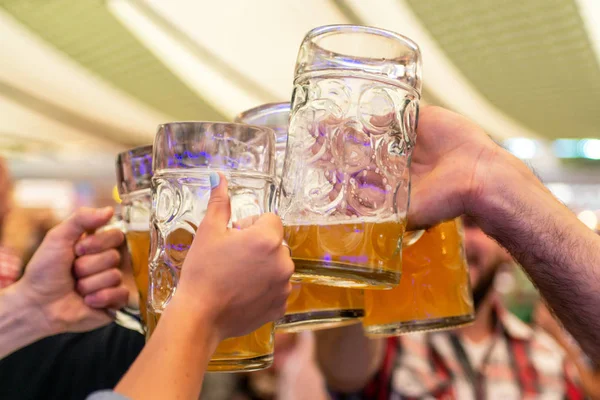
10,267
519,363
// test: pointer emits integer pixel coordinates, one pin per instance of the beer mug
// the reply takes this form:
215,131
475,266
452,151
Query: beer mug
434,292
184,155
309,306
344,194
134,173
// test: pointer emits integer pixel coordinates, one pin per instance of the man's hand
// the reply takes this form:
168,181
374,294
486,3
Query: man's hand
450,166
457,169
75,293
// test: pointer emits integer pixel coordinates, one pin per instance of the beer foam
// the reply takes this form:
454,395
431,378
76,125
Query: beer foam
138,226
345,220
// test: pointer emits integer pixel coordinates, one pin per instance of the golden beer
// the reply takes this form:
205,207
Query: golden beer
138,243
234,354
315,307
434,291
357,254
243,348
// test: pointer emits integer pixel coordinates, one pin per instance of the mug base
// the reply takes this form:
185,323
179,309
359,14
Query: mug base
401,328
318,320
239,365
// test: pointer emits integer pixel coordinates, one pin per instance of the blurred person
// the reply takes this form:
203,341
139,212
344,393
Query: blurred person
497,356
588,372
232,282
71,284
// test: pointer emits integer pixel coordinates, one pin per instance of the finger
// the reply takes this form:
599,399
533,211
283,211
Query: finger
431,204
218,211
97,282
94,263
99,242
245,222
83,220
113,298
268,222
286,264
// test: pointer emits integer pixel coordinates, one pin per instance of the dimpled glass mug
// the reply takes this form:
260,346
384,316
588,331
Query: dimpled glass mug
309,306
184,155
434,292
134,174
344,193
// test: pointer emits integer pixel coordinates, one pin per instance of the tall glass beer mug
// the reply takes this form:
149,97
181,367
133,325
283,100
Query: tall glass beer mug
309,306
134,173
184,155
434,291
344,195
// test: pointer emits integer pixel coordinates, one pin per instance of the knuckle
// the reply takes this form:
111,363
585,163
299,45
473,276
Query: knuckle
102,297
268,241
116,276
287,269
80,286
114,257
79,266
287,291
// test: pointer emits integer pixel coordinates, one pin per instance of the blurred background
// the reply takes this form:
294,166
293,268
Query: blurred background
83,80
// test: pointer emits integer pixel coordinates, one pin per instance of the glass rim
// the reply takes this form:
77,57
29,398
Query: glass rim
136,193
130,180
351,28
315,56
208,126
263,110
264,113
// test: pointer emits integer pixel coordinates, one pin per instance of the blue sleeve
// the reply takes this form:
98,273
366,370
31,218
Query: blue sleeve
106,395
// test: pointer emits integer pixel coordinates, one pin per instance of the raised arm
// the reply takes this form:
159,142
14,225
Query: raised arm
232,282
457,169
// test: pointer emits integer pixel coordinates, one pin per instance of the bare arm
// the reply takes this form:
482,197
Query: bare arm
21,321
173,363
347,358
560,254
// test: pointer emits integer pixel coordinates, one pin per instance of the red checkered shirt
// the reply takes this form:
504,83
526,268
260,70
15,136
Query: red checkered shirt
10,267
519,363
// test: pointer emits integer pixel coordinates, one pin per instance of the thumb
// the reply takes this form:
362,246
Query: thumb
218,211
83,220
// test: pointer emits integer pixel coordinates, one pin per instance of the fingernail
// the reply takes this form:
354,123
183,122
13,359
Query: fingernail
79,250
215,179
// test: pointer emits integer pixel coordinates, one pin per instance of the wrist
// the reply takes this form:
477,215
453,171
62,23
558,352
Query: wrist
38,316
500,188
21,320
194,316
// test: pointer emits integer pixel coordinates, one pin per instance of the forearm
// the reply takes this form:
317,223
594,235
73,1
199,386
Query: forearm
21,322
173,362
347,358
560,254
